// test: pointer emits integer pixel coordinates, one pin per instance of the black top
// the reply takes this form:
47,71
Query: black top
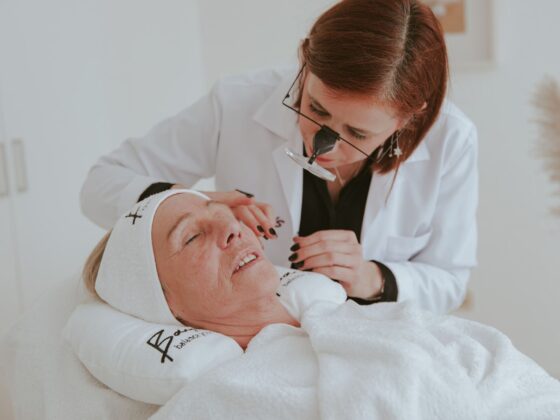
318,212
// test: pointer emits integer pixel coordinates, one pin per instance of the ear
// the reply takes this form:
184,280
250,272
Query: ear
404,121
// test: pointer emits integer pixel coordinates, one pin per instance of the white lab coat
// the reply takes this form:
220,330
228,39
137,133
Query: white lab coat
424,230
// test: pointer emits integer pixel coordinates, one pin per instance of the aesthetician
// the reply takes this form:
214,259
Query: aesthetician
359,167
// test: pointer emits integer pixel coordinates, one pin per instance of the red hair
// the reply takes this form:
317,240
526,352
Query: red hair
392,50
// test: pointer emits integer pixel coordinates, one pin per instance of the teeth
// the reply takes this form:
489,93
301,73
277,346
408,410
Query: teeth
246,260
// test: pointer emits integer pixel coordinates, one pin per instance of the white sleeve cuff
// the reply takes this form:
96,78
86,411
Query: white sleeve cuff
404,281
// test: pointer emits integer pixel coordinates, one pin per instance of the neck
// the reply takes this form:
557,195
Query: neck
345,173
247,323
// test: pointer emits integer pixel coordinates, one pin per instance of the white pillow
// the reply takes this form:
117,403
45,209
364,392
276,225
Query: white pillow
143,361
151,362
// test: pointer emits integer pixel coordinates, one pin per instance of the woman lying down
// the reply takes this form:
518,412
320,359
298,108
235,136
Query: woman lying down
180,259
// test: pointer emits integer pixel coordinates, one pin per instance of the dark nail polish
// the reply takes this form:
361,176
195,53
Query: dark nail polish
293,257
272,232
294,247
246,194
298,264
260,228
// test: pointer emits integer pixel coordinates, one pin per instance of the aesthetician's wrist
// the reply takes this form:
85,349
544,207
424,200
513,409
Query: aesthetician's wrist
379,282
389,291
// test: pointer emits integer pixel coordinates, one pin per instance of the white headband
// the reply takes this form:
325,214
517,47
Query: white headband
127,277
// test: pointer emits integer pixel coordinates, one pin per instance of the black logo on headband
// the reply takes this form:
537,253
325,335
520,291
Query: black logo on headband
134,216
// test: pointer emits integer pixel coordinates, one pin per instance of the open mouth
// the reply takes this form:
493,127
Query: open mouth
246,261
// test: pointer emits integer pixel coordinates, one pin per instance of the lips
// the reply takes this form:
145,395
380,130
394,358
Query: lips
245,260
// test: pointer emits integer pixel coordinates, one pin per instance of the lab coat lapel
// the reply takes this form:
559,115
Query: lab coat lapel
381,192
283,122
375,206
291,177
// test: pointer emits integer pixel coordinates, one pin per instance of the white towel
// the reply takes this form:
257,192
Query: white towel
385,361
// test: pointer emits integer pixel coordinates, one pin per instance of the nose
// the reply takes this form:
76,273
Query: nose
324,140
228,228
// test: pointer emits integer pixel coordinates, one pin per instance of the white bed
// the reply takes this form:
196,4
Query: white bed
42,379
46,381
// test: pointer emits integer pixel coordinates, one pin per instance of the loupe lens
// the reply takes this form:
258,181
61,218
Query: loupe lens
315,169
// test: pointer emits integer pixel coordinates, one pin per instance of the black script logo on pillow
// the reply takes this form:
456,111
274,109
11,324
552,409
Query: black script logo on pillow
162,344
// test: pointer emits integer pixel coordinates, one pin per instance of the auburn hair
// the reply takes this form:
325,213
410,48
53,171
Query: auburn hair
391,50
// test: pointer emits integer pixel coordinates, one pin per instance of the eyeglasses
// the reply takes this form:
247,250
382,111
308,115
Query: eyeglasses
325,139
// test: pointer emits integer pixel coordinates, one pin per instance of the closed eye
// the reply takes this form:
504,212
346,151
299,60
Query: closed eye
357,135
191,239
317,111
323,114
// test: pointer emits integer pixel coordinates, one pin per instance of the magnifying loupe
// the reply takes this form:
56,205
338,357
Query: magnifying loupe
323,142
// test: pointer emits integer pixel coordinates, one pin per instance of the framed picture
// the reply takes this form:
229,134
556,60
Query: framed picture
469,31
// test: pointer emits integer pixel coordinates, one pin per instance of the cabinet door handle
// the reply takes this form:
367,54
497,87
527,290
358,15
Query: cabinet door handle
4,181
19,165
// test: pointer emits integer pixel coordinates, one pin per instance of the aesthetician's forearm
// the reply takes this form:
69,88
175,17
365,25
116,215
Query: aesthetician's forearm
109,190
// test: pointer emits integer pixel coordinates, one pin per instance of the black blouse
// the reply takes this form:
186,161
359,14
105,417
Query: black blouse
318,212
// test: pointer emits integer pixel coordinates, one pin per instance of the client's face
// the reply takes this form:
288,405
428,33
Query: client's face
211,266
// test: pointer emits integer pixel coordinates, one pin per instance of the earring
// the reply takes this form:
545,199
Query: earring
395,149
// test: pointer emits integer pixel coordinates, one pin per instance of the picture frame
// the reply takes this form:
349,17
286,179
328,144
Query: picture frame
469,31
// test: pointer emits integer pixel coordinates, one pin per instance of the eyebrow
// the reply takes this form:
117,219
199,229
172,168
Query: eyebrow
185,217
317,104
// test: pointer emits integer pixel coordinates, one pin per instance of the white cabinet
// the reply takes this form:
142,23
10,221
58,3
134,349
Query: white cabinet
76,79
10,294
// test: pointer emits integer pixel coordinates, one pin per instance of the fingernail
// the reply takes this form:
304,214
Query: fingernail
298,264
293,257
246,194
294,247
260,228
272,232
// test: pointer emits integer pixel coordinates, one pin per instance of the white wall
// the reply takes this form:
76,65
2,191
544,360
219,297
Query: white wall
76,79
517,285
247,34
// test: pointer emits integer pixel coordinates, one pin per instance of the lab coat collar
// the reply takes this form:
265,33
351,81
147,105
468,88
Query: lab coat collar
277,118
421,153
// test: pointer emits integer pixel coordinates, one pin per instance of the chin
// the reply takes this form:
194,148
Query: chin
328,164
260,273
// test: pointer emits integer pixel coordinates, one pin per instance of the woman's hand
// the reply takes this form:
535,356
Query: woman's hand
258,216
338,255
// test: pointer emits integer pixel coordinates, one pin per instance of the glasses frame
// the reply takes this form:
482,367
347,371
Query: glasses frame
327,131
